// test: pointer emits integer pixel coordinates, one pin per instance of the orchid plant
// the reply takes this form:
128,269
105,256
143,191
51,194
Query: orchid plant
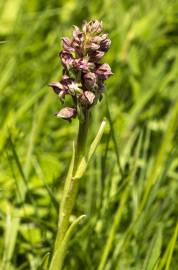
83,80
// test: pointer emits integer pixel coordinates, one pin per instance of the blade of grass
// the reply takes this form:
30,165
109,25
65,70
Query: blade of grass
113,135
85,160
114,228
154,251
167,257
162,153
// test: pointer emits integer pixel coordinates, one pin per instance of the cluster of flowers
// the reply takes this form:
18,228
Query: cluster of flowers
83,75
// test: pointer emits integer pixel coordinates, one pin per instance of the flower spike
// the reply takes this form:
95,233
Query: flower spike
84,75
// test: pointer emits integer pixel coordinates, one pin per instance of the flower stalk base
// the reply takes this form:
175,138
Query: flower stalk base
68,200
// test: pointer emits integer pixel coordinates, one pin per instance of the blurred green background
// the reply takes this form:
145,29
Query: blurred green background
130,191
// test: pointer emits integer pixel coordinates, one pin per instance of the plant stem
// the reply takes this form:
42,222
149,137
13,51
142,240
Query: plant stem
68,199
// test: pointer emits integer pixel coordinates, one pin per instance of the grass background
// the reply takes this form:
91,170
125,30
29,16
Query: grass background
130,191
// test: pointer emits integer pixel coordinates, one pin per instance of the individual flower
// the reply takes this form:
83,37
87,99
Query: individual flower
67,45
89,80
83,65
67,113
87,98
95,56
103,71
105,44
92,46
66,59
77,34
66,86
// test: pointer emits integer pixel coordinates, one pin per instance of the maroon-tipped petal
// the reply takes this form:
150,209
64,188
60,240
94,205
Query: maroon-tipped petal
66,58
67,44
93,26
67,113
87,98
83,65
104,71
90,96
105,45
95,56
56,87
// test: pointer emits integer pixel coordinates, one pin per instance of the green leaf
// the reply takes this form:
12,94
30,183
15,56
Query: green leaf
154,251
167,257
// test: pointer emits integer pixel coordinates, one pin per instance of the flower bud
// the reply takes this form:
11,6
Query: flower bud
92,46
87,98
103,71
89,80
97,39
77,34
66,59
83,65
93,26
67,113
90,97
67,44
105,45
95,56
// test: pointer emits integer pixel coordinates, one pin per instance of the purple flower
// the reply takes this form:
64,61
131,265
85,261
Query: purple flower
95,56
89,80
77,34
65,86
103,71
83,65
67,45
66,82
87,98
105,44
66,59
92,46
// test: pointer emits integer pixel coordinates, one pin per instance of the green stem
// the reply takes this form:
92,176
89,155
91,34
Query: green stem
70,192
